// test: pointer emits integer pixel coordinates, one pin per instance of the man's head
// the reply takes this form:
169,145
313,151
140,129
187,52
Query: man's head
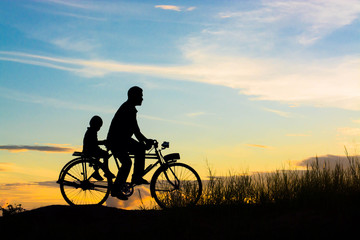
135,95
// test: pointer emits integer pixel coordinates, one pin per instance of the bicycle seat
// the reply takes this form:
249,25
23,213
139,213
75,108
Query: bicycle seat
81,154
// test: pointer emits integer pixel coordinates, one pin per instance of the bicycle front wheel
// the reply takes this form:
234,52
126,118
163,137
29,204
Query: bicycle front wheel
176,185
79,187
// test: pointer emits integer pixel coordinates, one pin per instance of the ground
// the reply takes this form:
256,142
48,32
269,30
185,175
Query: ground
204,222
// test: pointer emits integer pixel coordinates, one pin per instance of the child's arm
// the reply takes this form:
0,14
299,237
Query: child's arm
102,142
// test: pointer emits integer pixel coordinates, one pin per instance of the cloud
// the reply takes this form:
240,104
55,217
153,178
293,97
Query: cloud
67,14
220,54
257,146
47,183
169,7
53,102
73,44
320,83
41,148
347,131
6,167
72,4
252,50
79,16
298,135
196,114
312,19
278,112
9,186
88,68
175,8
25,97
35,62
171,121
328,160
93,10
134,202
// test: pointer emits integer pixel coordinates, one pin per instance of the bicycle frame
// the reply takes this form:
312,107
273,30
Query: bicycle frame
162,160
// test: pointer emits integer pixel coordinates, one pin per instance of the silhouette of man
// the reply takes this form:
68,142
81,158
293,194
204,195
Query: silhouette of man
121,143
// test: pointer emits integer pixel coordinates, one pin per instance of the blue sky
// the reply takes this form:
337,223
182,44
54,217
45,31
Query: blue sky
243,85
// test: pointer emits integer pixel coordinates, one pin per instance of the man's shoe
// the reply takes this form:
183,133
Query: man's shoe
139,181
119,195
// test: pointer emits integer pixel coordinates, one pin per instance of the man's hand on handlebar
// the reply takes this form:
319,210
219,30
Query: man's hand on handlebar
149,143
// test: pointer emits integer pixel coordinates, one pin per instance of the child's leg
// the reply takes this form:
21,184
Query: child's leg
96,173
105,156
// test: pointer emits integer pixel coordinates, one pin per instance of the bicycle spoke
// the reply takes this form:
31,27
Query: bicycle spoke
71,184
73,176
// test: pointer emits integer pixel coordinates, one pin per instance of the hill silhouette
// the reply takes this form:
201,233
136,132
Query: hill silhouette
97,222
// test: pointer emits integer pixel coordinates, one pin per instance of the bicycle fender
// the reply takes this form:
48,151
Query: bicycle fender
172,157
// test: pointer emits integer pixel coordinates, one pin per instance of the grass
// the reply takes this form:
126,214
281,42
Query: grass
317,186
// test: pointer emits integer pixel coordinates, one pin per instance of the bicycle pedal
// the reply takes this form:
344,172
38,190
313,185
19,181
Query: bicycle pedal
130,184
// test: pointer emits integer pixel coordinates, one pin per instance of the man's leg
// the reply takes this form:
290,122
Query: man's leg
138,149
122,175
124,169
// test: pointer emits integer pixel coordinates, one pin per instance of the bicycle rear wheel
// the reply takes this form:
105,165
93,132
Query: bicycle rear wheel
176,185
78,187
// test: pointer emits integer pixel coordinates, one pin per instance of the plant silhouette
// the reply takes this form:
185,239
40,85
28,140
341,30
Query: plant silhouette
12,209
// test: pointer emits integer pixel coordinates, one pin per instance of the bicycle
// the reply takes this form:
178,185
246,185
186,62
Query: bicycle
173,184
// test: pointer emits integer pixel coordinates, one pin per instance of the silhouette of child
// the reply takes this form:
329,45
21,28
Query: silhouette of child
91,148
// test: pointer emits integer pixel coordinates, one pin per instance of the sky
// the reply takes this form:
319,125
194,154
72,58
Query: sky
234,86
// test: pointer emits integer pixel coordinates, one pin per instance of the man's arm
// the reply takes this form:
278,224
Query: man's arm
139,136
147,142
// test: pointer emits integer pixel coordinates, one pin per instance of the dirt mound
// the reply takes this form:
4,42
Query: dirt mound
96,222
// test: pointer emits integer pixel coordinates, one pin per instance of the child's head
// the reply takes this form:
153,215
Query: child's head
96,122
